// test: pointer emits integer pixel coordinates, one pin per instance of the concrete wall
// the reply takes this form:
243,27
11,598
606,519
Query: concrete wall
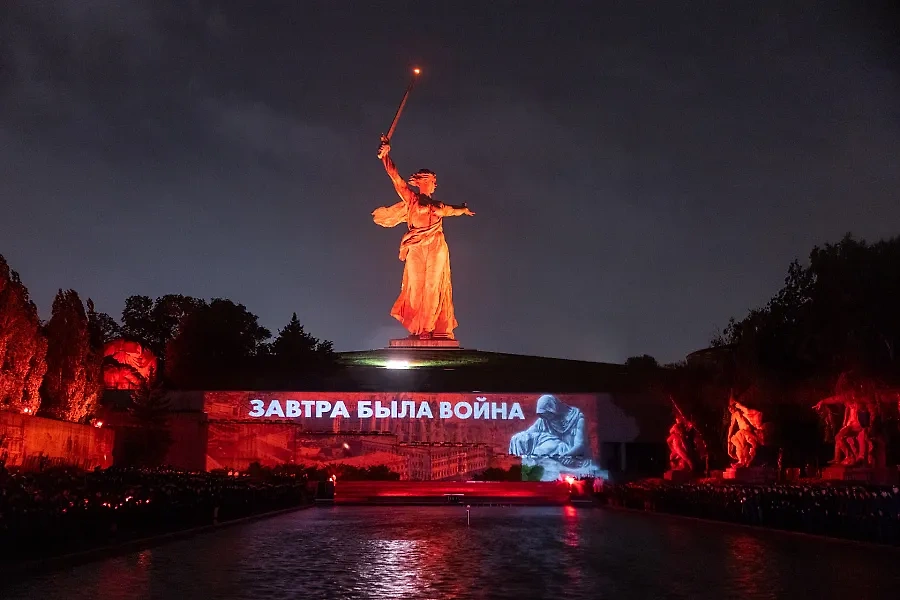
28,442
190,433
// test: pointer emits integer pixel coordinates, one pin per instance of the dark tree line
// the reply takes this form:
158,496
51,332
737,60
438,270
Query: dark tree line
221,345
836,314
54,368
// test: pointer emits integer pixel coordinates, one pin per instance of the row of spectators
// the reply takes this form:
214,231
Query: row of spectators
58,511
858,512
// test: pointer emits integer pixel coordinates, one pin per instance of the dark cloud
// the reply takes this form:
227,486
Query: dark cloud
641,170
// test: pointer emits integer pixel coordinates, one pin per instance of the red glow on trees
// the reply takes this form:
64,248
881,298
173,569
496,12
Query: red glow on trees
23,347
72,383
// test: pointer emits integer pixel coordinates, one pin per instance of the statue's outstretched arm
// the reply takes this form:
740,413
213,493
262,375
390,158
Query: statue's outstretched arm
448,210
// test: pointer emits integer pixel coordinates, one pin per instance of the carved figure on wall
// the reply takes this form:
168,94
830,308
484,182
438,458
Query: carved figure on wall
425,303
126,365
745,432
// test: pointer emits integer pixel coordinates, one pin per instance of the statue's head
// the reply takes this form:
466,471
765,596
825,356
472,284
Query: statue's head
549,407
425,180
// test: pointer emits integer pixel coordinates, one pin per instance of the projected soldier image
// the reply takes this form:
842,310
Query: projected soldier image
555,441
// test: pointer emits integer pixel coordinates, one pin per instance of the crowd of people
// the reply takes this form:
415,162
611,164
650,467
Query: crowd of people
859,512
58,511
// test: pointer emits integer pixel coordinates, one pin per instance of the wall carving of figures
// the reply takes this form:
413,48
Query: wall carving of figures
127,364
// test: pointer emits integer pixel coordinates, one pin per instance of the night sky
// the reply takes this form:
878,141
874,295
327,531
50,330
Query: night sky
641,171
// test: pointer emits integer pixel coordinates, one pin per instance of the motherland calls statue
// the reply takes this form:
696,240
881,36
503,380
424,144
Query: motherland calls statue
425,304
745,432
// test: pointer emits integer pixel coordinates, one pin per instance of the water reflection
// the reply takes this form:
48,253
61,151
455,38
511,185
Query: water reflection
514,553
745,566
395,566
572,539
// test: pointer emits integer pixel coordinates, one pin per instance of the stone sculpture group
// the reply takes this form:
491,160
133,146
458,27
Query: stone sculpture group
855,413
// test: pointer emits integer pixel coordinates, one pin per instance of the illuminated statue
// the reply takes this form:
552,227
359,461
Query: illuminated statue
425,304
855,443
744,433
679,456
558,434
127,364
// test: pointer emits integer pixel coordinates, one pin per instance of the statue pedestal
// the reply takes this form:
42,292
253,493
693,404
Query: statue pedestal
750,474
874,475
440,343
678,476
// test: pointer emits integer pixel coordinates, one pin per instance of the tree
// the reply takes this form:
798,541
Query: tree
155,323
297,353
102,328
137,320
23,347
73,380
146,444
838,313
644,362
218,346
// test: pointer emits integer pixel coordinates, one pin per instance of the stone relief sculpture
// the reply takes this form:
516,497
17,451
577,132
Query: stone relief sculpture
127,364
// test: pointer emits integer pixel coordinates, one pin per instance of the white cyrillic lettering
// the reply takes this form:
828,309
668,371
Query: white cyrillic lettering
257,410
307,407
381,412
446,410
424,411
274,409
459,412
516,412
393,409
340,410
407,409
292,408
364,409
322,407
482,410
498,409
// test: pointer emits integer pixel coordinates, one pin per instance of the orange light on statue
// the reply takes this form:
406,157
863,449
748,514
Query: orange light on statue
416,71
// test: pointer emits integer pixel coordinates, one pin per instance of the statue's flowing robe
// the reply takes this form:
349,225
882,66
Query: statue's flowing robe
425,303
